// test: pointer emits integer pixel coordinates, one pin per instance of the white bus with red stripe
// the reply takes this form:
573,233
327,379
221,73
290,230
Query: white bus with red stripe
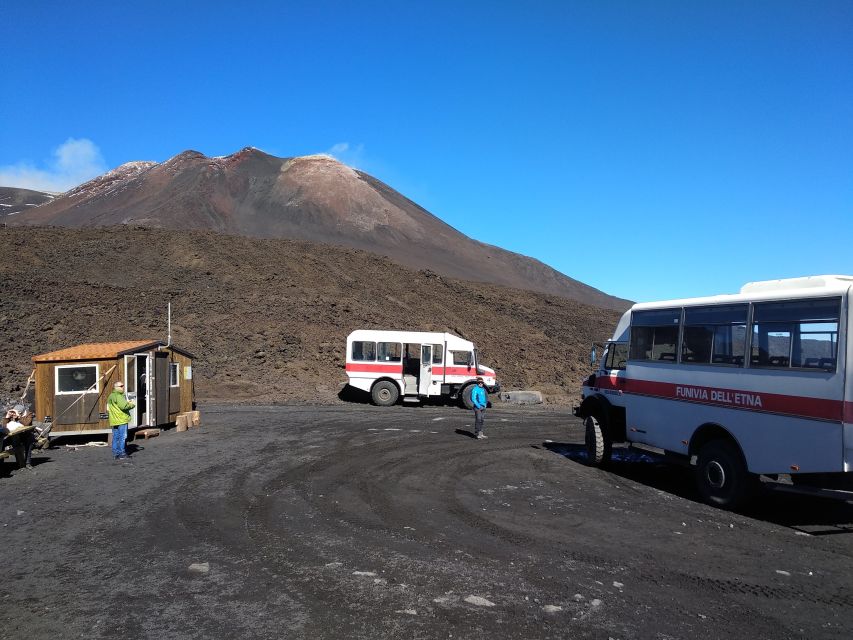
414,365
737,386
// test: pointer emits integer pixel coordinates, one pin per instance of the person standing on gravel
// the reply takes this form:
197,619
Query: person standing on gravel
118,409
479,400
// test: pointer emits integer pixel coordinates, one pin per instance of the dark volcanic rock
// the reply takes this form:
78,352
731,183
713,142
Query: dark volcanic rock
268,318
14,200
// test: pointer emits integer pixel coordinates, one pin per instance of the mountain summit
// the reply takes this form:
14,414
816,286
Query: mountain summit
314,198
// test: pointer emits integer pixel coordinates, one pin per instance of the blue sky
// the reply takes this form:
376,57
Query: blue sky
651,149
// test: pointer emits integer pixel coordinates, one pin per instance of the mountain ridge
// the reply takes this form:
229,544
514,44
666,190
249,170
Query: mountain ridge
14,200
313,198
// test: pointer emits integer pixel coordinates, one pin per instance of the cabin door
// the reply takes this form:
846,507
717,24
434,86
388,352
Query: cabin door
130,384
161,385
425,379
143,386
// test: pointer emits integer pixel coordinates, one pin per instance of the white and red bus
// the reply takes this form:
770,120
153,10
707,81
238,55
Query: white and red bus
414,365
737,386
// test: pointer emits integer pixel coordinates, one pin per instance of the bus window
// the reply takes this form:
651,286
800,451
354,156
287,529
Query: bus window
363,351
462,358
818,345
654,334
799,333
617,355
729,345
390,351
714,335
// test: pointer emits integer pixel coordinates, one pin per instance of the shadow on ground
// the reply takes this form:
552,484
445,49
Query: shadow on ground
350,394
809,514
465,432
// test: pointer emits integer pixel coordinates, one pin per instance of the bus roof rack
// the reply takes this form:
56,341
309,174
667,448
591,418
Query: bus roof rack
807,282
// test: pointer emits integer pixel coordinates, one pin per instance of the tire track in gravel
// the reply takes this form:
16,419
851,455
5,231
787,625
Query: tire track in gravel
373,523
377,535
325,499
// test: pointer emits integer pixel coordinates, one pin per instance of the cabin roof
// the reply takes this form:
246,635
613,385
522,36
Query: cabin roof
104,350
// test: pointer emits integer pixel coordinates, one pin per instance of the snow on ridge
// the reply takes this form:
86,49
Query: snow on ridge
121,173
318,162
137,164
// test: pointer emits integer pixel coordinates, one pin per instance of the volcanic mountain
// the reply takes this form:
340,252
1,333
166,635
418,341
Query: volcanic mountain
313,198
14,200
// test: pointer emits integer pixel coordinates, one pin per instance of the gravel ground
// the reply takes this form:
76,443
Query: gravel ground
363,522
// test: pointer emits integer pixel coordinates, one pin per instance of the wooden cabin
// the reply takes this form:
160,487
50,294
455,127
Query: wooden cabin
72,385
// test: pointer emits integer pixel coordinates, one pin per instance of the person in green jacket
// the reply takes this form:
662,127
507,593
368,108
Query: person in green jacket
118,409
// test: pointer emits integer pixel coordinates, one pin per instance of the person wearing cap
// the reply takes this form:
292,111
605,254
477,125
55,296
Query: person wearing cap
479,400
118,409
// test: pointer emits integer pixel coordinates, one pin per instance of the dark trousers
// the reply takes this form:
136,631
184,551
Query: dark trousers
22,445
479,415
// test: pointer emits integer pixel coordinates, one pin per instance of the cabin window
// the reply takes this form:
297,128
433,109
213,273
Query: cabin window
76,378
800,334
461,357
390,352
174,374
654,335
437,355
714,335
363,351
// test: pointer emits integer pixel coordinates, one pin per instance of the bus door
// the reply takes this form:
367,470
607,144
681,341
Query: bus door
425,378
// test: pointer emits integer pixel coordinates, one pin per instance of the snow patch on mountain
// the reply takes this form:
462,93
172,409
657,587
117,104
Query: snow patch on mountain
112,180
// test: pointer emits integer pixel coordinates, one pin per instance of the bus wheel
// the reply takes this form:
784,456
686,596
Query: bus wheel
599,446
467,403
721,475
384,393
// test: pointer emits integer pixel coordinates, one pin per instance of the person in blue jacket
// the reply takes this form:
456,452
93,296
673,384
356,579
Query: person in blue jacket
479,400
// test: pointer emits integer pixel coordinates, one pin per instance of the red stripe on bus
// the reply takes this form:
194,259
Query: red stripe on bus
375,368
364,367
801,406
454,371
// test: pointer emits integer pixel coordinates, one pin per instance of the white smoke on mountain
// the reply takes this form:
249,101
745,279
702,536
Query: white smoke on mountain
351,155
73,162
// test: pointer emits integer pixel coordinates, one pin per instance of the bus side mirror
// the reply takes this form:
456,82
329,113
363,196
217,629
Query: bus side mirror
592,356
